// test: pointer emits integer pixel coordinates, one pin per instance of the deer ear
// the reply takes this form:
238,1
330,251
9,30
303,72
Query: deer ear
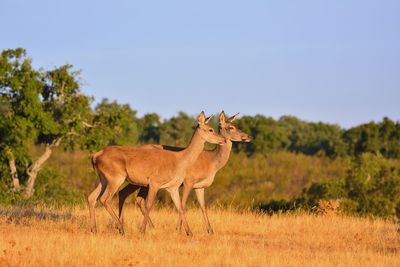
201,119
222,117
208,119
231,119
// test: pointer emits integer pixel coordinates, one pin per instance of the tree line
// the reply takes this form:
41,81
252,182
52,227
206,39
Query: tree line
46,108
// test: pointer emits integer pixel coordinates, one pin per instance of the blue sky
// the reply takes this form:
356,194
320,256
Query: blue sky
332,61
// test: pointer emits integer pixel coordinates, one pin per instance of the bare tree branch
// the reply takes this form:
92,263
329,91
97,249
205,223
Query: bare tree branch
36,166
13,170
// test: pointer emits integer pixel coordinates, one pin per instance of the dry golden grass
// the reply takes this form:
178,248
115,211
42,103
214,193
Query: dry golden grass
62,238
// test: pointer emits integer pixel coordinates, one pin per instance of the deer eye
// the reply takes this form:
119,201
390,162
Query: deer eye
211,130
231,128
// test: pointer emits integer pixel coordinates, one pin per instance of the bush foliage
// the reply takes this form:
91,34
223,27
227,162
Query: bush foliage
371,186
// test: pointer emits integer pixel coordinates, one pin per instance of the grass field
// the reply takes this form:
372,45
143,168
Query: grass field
44,237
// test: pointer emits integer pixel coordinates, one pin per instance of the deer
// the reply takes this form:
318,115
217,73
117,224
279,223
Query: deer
154,168
199,176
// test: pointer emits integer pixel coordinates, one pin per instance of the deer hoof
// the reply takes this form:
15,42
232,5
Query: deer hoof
189,233
142,231
121,231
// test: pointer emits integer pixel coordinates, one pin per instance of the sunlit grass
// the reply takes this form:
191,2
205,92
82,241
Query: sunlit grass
44,237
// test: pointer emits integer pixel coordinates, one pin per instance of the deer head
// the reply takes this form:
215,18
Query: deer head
206,132
230,131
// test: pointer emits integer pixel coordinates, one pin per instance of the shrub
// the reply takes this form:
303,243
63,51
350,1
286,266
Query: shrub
371,186
52,188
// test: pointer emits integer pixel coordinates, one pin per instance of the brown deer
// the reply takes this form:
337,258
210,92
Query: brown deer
153,168
200,175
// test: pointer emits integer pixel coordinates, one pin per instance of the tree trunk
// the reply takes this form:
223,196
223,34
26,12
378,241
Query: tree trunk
14,174
36,166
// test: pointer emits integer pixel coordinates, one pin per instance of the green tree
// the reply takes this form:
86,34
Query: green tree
150,128
177,131
389,135
373,186
363,138
378,138
44,107
111,124
314,138
268,134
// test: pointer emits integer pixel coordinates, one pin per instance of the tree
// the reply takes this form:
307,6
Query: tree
178,130
44,107
373,186
389,135
363,138
111,124
150,128
314,138
378,138
268,134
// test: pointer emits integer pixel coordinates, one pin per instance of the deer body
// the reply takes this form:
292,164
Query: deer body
142,167
153,168
203,172
200,174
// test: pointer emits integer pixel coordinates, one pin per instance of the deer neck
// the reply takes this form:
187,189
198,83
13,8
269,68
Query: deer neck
190,154
221,154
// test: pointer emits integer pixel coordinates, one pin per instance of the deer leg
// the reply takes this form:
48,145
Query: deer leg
92,200
140,201
122,196
106,201
185,195
174,192
200,199
151,196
